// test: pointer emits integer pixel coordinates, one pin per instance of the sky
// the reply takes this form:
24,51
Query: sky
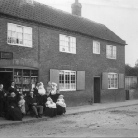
120,16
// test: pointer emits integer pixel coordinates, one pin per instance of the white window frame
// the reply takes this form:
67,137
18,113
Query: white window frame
111,51
64,85
67,44
22,34
110,84
96,47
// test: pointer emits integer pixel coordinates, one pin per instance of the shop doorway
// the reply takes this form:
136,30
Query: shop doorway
5,79
97,90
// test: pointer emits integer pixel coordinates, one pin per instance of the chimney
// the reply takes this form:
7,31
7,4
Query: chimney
76,8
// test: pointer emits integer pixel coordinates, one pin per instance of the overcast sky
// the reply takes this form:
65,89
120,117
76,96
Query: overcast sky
120,16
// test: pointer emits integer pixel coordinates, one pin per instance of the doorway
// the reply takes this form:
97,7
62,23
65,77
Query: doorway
5,79
97,90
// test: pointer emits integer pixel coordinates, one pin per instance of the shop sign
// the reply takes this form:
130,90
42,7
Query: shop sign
6,55
25,62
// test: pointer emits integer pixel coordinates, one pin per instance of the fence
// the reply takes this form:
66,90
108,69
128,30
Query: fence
130,82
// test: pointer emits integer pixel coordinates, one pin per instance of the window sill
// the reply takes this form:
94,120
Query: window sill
111,58
20,45
68,90
112,88
97,53
67,52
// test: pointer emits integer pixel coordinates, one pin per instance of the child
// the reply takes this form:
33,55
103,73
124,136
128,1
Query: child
61,106
50,103
50,108
21,104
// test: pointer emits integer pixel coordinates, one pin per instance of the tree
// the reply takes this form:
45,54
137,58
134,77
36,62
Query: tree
131,71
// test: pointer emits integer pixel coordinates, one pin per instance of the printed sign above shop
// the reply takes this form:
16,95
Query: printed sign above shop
6,55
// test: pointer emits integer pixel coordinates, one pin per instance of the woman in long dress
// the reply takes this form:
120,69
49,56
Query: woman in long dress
13,113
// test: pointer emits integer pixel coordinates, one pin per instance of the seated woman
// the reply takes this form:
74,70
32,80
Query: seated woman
54,92
61,106
13,112
21,105
50,108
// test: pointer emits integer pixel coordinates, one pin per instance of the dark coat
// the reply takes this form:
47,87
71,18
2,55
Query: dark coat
3,99
35,91
13,113
10,90
30,101
45,98
54,97
40,100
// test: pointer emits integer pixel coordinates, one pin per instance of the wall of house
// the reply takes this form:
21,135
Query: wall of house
45,55
83,60
22,56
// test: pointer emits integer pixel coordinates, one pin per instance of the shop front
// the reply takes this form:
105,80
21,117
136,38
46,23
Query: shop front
24,78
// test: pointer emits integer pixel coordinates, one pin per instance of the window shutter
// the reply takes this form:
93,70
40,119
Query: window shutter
54,76
114,52
104,80
121,81
80,80
107,51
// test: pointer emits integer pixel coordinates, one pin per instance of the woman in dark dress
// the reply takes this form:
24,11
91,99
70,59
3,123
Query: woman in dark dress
54,92
13,112
12,88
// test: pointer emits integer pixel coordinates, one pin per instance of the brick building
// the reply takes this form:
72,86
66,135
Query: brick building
40,43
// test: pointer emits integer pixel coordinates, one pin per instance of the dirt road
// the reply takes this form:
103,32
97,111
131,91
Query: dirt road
118,122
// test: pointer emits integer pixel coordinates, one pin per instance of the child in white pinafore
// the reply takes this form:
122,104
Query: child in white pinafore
21,104
61,106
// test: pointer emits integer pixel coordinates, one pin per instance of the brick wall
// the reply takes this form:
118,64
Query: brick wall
84,60
46,53
19,52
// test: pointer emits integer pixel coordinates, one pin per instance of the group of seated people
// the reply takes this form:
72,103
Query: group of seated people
38,102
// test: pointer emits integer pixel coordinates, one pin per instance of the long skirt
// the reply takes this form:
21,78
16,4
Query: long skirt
60,110
51,112
14,114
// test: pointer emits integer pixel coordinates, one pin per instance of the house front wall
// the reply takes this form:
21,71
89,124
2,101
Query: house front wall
45,55
83,60
22,56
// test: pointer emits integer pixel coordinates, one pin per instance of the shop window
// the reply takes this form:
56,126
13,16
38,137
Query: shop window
25,79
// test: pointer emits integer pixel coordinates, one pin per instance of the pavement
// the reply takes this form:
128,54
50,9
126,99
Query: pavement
72,111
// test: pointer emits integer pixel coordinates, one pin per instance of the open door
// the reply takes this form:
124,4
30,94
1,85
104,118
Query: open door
5,79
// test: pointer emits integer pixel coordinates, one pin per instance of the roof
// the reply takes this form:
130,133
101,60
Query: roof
56,18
